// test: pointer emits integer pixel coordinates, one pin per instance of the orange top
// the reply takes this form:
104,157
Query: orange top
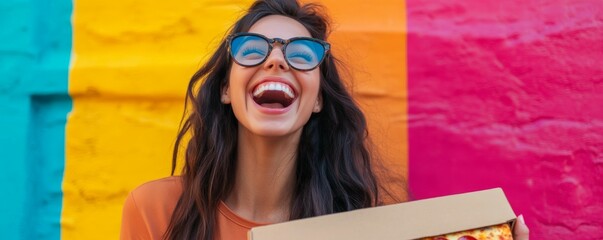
148,210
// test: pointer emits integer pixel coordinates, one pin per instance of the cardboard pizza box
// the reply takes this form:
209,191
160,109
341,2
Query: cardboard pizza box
410,220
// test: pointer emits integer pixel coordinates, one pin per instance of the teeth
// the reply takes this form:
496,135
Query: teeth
274,87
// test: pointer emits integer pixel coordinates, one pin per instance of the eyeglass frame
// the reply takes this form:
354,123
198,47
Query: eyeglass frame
283,42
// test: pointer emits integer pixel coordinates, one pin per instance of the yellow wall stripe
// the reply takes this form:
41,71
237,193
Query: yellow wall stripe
131,63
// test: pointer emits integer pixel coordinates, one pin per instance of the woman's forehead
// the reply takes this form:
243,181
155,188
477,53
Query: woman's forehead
277,26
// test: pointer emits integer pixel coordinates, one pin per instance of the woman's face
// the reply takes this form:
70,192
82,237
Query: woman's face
256,94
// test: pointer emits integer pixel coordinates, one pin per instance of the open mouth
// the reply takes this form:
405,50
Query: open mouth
273,95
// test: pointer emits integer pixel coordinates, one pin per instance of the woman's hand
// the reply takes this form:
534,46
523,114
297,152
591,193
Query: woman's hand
521,230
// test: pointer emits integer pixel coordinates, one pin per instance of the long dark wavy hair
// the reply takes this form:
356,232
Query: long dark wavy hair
333,170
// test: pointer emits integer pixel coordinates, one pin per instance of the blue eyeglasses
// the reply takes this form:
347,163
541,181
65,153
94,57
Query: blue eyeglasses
301,53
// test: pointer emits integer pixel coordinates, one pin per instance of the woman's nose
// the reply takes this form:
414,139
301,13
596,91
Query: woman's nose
276,59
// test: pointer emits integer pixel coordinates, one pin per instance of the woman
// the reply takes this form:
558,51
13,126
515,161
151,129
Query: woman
274,136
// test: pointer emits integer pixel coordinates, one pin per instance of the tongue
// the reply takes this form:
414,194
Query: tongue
273,99
272,105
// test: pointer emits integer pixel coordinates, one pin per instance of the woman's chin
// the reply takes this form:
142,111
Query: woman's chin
274,130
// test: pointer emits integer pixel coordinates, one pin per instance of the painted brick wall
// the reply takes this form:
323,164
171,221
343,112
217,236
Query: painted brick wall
510,94
500,93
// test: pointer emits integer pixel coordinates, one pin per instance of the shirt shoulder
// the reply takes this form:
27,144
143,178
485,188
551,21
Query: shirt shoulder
148,208
161,189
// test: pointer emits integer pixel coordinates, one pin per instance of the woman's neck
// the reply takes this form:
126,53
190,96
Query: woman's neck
265,177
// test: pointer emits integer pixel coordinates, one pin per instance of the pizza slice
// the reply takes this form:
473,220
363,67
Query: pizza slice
496,232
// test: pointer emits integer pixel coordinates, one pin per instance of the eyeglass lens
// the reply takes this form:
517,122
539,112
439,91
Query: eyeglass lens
250,50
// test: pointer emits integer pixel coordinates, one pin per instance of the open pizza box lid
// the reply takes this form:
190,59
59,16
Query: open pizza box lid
410,220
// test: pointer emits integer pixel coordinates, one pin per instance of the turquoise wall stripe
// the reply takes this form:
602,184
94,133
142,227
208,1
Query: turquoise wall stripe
35,50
